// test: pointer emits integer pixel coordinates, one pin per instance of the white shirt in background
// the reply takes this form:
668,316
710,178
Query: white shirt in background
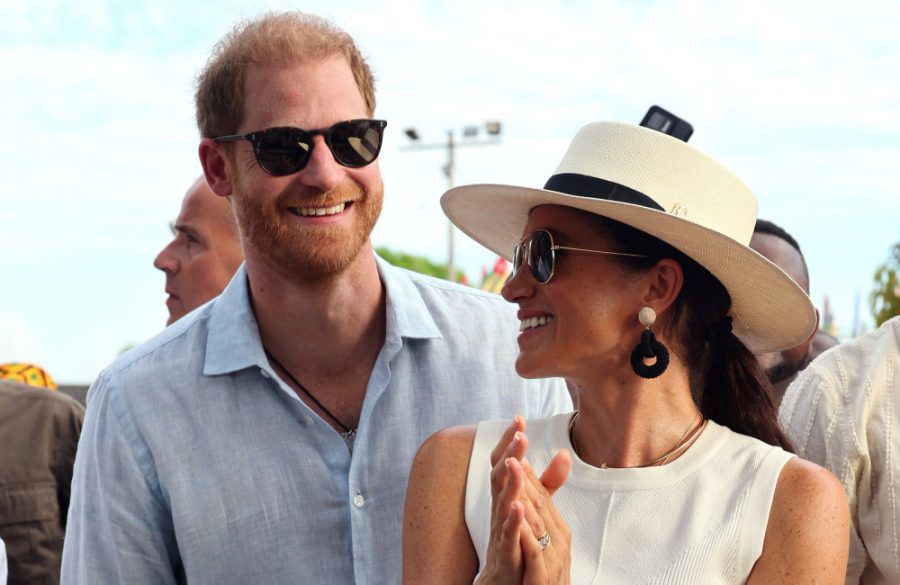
842,413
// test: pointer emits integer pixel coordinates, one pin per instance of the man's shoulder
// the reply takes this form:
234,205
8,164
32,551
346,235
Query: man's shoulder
840,402
859,366
174,347
51,400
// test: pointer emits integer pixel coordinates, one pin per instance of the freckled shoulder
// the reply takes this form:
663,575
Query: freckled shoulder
808,493
445,456
437,547
807,538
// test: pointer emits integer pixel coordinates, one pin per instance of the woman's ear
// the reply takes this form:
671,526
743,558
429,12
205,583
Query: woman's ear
664,282
216,167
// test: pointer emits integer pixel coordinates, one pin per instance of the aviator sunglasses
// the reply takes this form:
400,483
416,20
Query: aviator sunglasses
539,250
286,150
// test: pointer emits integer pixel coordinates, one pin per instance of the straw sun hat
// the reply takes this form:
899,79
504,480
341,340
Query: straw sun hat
666,188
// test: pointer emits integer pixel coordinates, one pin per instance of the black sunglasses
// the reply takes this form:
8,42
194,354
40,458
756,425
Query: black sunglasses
539,250
286,150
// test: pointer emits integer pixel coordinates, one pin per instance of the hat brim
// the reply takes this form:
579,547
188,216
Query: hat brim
770,311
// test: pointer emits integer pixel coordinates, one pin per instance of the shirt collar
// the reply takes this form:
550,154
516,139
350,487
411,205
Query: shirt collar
233,341
407,314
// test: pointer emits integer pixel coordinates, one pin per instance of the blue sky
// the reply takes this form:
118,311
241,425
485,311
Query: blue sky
99,143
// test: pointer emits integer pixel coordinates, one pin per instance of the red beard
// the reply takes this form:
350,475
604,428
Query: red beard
307,253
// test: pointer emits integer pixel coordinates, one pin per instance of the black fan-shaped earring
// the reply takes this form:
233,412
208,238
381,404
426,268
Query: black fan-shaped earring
649,348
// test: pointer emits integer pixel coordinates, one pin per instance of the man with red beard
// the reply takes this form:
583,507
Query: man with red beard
267,437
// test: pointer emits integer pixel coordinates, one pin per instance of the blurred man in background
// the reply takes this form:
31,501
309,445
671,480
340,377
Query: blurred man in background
39,429
204,253
782,249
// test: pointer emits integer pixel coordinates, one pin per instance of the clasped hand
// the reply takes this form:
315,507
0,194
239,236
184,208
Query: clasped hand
530,542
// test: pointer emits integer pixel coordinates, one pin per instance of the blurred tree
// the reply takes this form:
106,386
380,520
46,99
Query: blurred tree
885,297
418,264
128,347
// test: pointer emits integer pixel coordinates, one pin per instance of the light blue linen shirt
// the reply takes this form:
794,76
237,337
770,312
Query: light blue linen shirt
198,464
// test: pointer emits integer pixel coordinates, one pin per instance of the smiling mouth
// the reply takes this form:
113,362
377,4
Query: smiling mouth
319,211
534,322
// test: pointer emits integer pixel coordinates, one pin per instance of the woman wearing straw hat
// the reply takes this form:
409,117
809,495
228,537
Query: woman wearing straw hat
634,282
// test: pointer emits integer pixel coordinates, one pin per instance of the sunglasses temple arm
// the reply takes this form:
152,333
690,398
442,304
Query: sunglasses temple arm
231,138
571,249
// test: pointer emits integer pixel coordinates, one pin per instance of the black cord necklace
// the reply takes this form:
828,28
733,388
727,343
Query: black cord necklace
347,433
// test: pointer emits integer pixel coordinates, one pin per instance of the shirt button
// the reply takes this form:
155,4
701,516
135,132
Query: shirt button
359,501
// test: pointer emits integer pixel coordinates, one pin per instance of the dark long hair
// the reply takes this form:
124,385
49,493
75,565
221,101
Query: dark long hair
726,380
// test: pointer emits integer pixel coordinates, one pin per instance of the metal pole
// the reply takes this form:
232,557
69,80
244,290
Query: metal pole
451,260
449,169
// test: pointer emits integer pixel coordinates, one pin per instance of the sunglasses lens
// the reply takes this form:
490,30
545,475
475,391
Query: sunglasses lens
518,258
282,151
356,143
540,256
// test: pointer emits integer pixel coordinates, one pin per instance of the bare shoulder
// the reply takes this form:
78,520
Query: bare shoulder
808,494
807,537
437,547
443,457
447,445
800,477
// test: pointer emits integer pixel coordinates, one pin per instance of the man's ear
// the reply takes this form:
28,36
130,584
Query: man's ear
800,352
216,167
664,282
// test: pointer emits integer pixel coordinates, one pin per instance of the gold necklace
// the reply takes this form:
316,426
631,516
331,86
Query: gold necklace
682,445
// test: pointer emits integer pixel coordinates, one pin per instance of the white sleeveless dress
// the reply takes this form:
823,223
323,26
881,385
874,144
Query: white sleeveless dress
700,519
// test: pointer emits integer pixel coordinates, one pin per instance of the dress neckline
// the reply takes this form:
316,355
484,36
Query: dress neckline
587,475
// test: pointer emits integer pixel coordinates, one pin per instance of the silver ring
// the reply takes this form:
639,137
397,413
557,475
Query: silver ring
544,540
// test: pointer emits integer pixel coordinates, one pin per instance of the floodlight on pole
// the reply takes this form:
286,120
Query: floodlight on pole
470,138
